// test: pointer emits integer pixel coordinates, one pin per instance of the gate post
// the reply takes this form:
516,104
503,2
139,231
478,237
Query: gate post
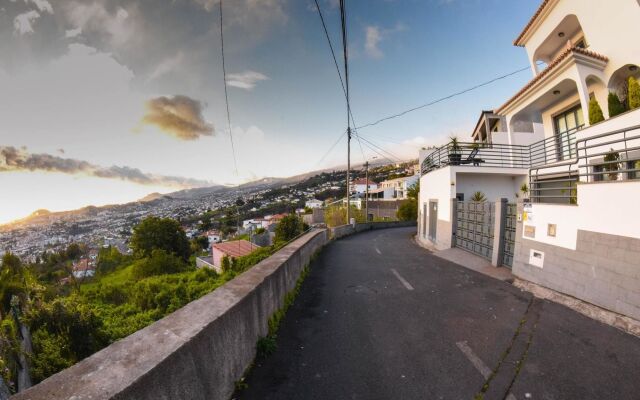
454,221
498,232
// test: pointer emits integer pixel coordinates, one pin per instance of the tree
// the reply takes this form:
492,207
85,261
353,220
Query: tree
615,105
408,211
288,228
73,251
199,243
595,112
634,93
109,259
160,234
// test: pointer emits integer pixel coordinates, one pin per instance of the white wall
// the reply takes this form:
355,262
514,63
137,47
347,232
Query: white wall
601,22
492,185
436,185
607,207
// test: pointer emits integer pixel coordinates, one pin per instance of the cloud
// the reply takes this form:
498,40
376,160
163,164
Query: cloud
23,23
71,33
178,116
42,5
166,66
374,35
373,38
13,160
245,80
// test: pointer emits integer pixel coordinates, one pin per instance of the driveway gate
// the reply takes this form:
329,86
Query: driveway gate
509,235
475,221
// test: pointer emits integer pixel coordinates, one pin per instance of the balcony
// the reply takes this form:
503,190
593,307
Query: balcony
477,155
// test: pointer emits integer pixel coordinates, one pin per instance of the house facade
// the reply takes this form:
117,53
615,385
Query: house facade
559,189
231,249
359,186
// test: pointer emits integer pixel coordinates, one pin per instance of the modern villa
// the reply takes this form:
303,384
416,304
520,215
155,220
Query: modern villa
558,163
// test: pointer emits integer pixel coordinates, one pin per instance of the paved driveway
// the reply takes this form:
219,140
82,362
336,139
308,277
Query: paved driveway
380,318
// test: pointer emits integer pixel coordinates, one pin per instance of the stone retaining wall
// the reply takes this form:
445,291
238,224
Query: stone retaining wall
199,351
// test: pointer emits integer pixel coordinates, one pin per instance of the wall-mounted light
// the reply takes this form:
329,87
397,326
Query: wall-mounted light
556,92
561,34
633,68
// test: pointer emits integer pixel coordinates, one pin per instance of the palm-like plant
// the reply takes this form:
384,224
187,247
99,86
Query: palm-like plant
478,197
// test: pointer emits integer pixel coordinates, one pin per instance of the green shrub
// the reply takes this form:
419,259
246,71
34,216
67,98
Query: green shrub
634,93
160,262
615,105
595,112
408,211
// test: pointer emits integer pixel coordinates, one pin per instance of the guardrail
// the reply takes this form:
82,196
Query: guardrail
612,156
553,149
478,154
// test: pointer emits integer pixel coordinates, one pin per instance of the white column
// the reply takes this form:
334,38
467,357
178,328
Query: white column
583,92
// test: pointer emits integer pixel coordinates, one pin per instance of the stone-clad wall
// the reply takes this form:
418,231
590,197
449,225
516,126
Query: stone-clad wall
199,351
603,270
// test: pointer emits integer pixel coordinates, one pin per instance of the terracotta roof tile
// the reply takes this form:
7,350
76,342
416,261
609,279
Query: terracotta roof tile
236,248
550,67
544,4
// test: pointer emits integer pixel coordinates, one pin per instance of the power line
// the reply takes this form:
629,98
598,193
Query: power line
381,149
400,114
332,147
335,62
226,95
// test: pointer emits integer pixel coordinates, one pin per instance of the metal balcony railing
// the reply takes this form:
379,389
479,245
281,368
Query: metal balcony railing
478,154
554,149
612,156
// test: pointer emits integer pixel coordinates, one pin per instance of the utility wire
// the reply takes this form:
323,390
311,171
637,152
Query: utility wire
381,149
400,114
226,95
335,62
332,147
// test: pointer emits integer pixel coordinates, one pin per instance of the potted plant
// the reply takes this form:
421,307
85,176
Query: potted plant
612,165
454,151
525,190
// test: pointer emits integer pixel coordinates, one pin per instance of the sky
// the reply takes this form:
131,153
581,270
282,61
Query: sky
105,101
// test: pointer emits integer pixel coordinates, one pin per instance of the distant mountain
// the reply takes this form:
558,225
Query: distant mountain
151,197
156,198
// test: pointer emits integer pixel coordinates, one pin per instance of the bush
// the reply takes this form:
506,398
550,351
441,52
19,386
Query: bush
634,93
408,211
288,228
595,112
615,105
159,263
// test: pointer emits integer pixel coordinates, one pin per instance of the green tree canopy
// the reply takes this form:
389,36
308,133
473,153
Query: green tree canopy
615,105
634,93
595,112
288,228
160,234
160,262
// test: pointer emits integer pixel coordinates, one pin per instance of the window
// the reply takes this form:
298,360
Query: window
566,125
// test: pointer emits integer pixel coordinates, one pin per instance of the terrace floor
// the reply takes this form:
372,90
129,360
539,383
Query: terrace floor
379,317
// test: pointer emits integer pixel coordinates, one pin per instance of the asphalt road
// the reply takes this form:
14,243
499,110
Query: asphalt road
378,317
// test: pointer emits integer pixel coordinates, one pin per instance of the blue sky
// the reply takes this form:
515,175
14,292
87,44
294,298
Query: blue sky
127,95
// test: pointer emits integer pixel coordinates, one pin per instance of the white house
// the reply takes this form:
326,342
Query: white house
573,233
314,203
359,186
400,186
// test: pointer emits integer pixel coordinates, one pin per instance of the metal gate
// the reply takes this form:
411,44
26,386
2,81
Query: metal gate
475,222
509,235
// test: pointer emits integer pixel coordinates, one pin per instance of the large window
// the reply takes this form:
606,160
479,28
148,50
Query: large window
566,125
